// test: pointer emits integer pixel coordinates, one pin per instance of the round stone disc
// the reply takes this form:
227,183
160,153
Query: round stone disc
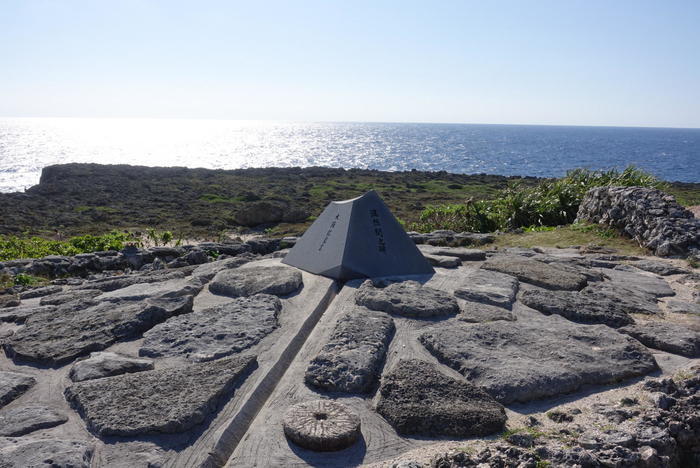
322,425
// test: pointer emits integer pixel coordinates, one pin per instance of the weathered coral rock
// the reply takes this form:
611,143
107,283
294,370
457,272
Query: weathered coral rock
417,399
489,287
468,255
670,337
70,331
537,358
25,419
278,281
106,364
577,307
49,453
162,400
476,312
215,332
550,276
322,425
406,298
352,359
12,385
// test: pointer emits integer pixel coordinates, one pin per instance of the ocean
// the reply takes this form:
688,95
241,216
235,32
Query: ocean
28,144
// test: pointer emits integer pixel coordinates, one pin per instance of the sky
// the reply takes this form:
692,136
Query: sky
568,62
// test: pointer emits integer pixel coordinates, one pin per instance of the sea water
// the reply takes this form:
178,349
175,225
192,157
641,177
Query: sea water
27,145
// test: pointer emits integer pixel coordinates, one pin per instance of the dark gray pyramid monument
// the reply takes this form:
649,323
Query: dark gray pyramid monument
357,238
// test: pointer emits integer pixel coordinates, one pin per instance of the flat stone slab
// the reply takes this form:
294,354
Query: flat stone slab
627,299
12,385
215,332
278,281
9,300
163,400
650,284
39,292
659,267
106,364
680,307
352,359
322,425
49,453
112,283
577,307
166,289
443,261
406,298
417,399
70,296
489,287
21,313
537,358
25,419
475,312
670,337
546,275
59,336
468,255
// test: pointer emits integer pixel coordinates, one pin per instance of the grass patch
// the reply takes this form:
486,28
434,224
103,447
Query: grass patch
15,247
566,236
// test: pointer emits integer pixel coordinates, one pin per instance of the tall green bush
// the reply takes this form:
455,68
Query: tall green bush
551,203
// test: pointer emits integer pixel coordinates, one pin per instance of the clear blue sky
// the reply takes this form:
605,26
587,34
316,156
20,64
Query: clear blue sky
585,62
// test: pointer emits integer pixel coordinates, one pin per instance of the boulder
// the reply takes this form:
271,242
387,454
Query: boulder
537,358
215,332
12,385
680,307
278,281
630,300
419,400
60,336
21,313
106,364
670,337
25,419
550,276
476,312
9,300
40,292
163,400
406,298
577,307
49,453
352,360
489,287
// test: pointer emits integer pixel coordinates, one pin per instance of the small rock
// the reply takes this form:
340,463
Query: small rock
478,313
560,416
322,425
9,300
443,261
12,385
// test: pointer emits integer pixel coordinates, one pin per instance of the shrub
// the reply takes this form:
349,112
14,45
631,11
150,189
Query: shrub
13,247
550,203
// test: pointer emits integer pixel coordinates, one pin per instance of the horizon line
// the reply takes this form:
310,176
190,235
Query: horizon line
519,124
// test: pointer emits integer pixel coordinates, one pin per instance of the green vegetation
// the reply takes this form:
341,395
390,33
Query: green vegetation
22,279
523,430
14,247
549,203
572,234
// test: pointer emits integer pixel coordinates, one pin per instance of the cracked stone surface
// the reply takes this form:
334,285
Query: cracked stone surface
12,385
59,336
489,287
163,400
70,296
352,359
545,275
417,399
407,298
215,332
577,307
106,364
25,419
278,281
537,358
443,261
476,312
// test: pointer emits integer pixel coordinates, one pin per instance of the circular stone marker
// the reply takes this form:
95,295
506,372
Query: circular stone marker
322,425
